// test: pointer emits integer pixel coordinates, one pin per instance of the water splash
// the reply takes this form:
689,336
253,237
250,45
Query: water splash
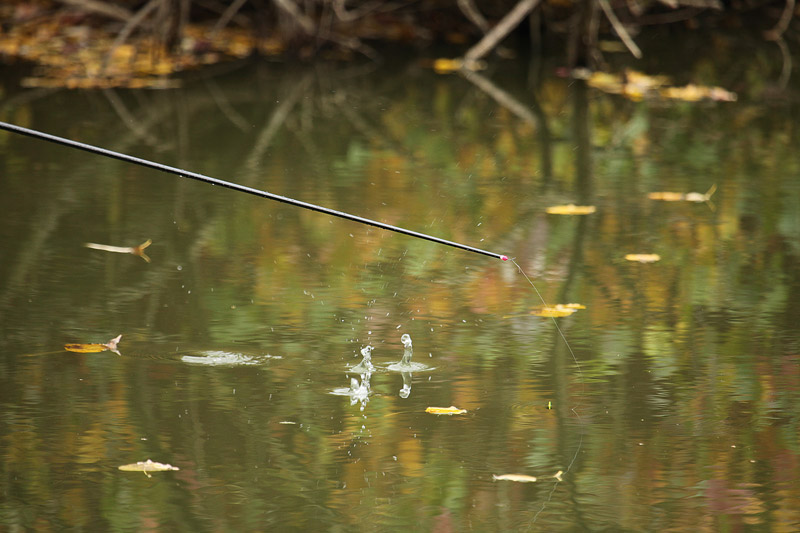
365,366
359,390
405,392
405,364
408,351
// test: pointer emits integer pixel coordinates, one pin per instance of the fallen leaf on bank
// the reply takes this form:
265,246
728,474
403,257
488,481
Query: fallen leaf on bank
519,478
452,410
147,467
571,209
94,347
643,258
637,86
631,83
135,250
695,93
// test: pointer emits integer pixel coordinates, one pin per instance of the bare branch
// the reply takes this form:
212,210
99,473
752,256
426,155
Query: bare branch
109,10
226,17
301,18
501,30
471,12
620,29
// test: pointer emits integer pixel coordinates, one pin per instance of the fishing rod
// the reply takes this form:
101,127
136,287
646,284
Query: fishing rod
237,187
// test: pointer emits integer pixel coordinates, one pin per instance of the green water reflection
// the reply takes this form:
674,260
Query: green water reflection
682,413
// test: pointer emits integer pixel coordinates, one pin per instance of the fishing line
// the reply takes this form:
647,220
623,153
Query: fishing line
237,187
573,409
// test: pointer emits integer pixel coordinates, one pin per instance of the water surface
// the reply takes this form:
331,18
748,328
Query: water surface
675,406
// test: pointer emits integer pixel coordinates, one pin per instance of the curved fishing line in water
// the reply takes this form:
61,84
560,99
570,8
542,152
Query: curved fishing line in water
573,409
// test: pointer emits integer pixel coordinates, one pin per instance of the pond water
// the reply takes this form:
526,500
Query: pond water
674,405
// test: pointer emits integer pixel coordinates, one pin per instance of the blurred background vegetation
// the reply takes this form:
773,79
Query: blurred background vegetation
139,43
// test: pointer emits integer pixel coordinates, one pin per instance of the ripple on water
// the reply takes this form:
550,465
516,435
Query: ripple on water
223,358
409,367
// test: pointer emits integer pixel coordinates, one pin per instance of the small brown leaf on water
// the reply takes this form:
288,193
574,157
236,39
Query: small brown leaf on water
147,467
643,258
94,347
452,410
519,478
571,209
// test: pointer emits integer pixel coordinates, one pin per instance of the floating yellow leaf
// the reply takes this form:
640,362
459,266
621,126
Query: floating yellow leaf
667,196
557,475
445,66
555,311
558,310
643,258
135,250
519,478
94,347
571,209
452,410
147,467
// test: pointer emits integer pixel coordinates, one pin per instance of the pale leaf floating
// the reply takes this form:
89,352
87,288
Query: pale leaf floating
643,258
147,467
452,410
571,209
519,478
558,310
558,474
135,250
94,347
695,197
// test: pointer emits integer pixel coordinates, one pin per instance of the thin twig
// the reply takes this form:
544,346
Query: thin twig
348,16
471,12
620,29
109,10
301,18
226,17
500,96
786,71
224,105
783,23
133,22
501,30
